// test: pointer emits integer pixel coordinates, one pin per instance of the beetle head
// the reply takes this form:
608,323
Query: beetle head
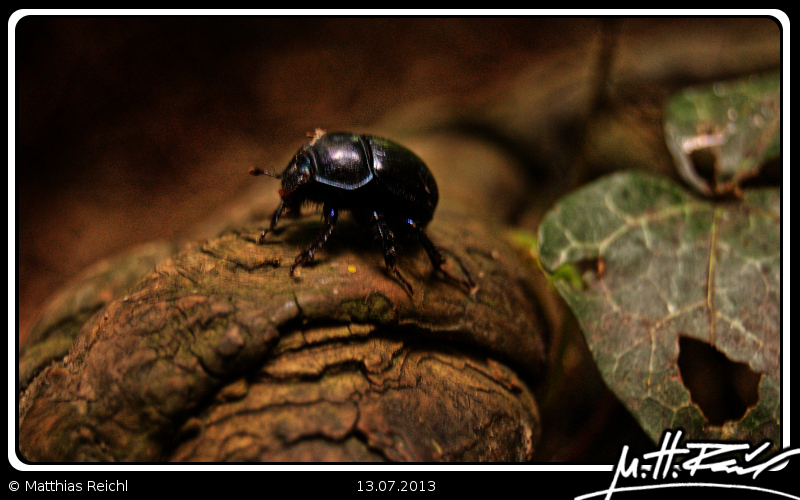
299,173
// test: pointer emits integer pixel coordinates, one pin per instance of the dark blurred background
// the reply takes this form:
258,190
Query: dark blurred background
136,128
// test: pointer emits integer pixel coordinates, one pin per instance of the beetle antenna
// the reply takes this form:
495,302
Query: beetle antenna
261,171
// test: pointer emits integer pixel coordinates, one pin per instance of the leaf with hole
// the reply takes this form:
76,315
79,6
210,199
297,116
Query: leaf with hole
736,125
659,265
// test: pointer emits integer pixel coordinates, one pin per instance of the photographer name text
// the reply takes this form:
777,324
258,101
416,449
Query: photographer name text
57,486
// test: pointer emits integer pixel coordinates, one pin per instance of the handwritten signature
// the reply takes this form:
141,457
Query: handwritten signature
699,456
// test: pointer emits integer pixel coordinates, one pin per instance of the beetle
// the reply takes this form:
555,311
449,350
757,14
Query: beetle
382,184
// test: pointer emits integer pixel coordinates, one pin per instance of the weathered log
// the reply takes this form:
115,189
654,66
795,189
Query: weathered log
218,354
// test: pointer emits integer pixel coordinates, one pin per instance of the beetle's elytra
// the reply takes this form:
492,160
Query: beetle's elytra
384,185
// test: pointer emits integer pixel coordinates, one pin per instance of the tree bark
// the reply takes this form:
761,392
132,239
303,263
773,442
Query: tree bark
218,354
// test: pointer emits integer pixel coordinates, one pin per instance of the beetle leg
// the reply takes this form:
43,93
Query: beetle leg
384,232
331,217
275,216
437,260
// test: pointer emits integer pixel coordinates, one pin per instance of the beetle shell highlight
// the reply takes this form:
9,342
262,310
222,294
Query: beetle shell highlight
398,180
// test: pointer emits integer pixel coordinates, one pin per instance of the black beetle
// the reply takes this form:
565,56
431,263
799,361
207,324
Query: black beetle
384,185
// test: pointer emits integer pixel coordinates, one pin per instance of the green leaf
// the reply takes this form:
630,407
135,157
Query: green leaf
658,263
737,122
